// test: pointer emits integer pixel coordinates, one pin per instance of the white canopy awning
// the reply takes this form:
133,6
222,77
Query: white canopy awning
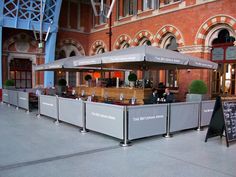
145,57
66,64
61,64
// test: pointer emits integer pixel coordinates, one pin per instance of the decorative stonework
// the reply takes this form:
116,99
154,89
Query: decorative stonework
22,46
166,30
121,40
22,42
195,49
71,42
97,45
210,23
141,35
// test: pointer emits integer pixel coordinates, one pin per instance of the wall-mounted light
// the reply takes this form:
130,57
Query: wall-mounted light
232,71
188,70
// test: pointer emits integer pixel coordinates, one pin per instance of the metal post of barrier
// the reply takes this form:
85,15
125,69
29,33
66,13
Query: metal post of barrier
199,116
38,115
168,135
28,109
57,102
126,141
83,130
17,104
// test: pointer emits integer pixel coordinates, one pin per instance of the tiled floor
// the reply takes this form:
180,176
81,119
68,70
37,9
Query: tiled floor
32,147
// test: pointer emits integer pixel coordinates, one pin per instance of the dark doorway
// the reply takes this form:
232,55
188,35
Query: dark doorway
21,72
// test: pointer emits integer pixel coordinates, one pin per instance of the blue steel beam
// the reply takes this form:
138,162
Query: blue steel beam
0,57
1,23
1,13
26,14
50,55
51,46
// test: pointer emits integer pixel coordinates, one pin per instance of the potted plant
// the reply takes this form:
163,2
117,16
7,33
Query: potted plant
61,86
197,89
9,84
88,78
132,79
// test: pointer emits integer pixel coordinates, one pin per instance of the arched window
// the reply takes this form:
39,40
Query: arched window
145,41
100,50
72,54
223,51
62,54
223,37
171,76
124,45
172,45
60,74
72,75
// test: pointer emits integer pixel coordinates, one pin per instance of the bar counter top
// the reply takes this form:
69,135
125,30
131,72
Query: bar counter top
114,93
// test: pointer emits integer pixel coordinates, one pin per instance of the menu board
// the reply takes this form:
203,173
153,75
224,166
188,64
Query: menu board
223,120
229,110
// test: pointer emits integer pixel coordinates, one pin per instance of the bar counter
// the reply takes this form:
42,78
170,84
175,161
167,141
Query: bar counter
114,93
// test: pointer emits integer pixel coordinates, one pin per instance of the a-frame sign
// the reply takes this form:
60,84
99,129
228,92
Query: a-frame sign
223,120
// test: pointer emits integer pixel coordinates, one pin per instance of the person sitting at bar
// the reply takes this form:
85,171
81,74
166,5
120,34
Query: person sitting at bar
153,97
168,96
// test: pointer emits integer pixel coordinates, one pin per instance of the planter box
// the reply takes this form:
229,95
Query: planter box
194,97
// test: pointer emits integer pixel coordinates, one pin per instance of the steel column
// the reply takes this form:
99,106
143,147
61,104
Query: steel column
50,57
0,57
1,24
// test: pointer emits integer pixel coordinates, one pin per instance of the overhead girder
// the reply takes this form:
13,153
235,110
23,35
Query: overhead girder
102,9
26,14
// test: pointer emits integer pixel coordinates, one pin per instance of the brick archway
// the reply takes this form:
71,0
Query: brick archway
124,38
167,29
210,23
96,45
143,34
72,42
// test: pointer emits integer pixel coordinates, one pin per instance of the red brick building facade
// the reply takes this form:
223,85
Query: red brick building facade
194,27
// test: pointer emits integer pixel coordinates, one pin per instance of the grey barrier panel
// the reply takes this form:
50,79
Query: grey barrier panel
48,106
147,120
5,96
13,98
105,118
71,111
23,100
206,111
184,116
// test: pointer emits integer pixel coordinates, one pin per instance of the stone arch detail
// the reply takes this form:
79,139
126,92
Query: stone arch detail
169,29
210,23
14,39
121,39
71,42
143,34
97,44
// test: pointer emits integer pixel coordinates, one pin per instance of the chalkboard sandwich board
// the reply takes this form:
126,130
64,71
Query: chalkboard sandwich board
223,120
